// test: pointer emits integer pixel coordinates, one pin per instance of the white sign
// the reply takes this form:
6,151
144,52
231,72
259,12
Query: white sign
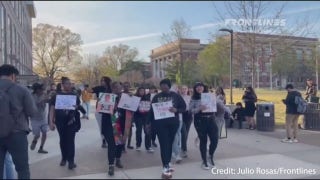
161,110
144,106
266,114
67,102
106,103
130,103
209,100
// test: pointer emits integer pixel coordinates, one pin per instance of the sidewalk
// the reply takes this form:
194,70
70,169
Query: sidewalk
253,152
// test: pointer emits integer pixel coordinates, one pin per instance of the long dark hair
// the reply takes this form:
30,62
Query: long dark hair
108,82
137,92
220,90
197,95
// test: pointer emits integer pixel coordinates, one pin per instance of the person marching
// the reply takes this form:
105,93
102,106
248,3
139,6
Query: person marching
153,91
250,98
166,128
205,125
105,87
86,97
126,89
39,122
187,120
65,121
141,121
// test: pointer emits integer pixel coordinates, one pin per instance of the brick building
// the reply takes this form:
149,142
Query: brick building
16,34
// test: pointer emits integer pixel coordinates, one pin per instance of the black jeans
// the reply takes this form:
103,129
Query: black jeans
141,123
114,151
129,136
166,130
17,145
206,126
67,134
187,120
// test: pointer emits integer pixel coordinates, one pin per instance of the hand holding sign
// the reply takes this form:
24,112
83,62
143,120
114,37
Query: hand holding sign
161,110
66,102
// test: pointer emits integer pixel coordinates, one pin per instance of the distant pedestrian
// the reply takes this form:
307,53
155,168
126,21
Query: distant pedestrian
17,105
152,92
220,94
292,115
311,90
86,96
250,98
39,122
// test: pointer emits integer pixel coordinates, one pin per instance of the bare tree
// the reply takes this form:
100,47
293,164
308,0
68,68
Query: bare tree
54,48
117,56
252,11
179,29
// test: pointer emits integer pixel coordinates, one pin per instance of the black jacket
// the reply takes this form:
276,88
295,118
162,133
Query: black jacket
291,106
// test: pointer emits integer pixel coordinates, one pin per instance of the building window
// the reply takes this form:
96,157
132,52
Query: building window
299,54
308,54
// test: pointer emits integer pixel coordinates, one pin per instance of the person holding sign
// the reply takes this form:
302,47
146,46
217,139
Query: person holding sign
140,119
105,87
164,115
205,124
63,107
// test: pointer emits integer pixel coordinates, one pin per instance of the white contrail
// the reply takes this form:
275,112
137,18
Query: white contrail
121,39
205,26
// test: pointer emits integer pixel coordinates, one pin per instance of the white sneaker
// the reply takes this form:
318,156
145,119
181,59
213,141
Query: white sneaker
150,150
178,159
166,173
138,148
295,140
171,169
286,140
205,166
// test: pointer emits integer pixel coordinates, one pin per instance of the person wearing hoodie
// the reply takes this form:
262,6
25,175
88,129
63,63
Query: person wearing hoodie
292,115
166,128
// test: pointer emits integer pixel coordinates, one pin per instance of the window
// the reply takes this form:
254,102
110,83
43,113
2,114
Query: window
308,54
299,54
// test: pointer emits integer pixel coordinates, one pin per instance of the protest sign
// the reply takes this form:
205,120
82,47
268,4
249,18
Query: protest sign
129,102
209,100
106,103
161,110
67,102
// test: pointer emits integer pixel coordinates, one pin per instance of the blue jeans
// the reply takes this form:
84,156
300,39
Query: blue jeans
17,145
86,107
176,147
8,171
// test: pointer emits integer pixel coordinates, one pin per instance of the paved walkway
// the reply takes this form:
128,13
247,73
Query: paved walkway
244,154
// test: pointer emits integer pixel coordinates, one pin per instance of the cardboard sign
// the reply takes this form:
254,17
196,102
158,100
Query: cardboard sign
67,102
106,103
144,106
129,102
161,110
209,100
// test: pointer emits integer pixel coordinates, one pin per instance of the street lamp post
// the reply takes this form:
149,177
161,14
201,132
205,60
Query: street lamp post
231,54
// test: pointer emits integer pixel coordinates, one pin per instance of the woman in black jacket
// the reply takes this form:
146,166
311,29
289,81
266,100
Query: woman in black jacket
66,123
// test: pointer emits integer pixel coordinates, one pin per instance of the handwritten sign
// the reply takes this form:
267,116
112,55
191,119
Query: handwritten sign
106,103
161,110
144,106
67,102
129,102
209,100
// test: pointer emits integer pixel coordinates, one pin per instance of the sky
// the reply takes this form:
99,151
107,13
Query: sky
140,24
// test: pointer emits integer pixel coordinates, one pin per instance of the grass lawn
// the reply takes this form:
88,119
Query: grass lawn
265,95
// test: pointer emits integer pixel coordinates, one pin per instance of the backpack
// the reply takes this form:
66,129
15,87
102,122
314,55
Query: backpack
301,104
7,120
